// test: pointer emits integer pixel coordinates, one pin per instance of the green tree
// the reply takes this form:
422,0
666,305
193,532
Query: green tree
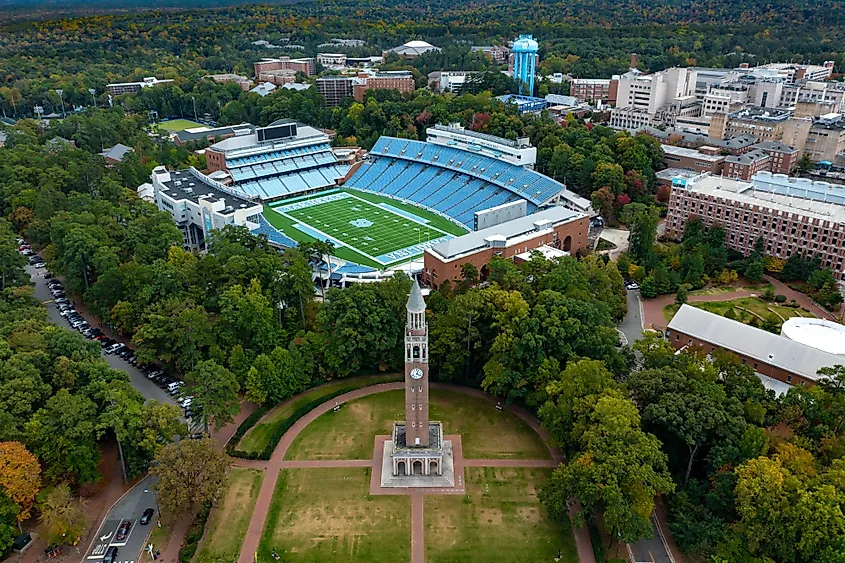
63,517
619,471
683,294
190,473
755,270
215,393
62,435
642,224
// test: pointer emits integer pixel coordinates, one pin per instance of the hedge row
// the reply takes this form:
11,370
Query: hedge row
284,426
249,422
195,532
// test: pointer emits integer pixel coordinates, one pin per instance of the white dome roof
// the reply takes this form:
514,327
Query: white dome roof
821,334
418,44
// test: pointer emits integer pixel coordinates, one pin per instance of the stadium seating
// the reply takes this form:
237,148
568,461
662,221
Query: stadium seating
452,181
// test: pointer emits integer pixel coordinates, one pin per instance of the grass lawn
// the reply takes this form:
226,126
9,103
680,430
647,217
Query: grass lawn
256,439
750,303
499,519
722,289
485,432
159,537
381,236
329,515
176,125
224,533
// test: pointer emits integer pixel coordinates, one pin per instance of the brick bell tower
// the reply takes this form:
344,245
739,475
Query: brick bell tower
416,371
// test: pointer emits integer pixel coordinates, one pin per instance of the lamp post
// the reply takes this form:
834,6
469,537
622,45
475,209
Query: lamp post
60,92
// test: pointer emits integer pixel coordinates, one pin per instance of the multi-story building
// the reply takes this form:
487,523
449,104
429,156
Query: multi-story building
790,214
825,139
331,59
590,89
792,72
402,80
495,52
744,166
778,361
557,227
644,100
199,205
306,66
132,87
242,81
704,159
760,123
524,63
784,158
725,97
279,77
334,88
449,80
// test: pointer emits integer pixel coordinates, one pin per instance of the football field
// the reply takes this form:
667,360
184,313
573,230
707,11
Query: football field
381,232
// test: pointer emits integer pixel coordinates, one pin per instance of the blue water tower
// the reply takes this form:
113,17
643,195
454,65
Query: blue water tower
524,56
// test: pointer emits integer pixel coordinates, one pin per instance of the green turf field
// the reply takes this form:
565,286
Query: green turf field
373,231
176,125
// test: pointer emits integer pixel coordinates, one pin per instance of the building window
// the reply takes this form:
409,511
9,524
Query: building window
788,378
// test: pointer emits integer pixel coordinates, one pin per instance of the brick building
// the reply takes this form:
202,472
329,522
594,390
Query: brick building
556,227
790,214
744,166
779,361
590,89
401,80
306,66
705,159
279,77
784,157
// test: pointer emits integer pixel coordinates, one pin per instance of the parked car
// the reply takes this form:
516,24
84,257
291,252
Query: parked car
114,348
146,517
48,276
123,530
27,252
106,342
174,386
111,555
39,265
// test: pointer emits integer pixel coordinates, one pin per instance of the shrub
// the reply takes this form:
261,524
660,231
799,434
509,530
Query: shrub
769,294
194,535
779,298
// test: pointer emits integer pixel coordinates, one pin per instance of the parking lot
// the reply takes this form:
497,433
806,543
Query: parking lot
156,389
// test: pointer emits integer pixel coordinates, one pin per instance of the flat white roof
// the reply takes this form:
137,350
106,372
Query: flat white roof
512,232
691,153
742,192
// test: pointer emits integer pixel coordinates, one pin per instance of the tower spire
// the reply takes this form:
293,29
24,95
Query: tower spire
416,303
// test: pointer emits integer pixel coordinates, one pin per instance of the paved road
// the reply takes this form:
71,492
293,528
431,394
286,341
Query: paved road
631,326
139,381
129,507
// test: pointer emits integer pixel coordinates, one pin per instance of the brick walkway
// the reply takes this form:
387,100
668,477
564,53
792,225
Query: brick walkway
277,462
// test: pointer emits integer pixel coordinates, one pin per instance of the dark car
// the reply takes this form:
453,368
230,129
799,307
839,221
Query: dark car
123,531
111,555
147,516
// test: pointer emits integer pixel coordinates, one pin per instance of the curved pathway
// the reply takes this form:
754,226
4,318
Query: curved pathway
249,549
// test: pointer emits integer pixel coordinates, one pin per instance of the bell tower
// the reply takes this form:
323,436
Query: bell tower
416,371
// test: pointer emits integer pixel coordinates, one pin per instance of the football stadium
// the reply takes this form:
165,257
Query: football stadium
379,214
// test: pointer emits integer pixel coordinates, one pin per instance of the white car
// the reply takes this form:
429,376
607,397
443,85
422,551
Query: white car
114,348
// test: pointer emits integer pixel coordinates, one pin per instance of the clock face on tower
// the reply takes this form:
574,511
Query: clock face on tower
416,373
